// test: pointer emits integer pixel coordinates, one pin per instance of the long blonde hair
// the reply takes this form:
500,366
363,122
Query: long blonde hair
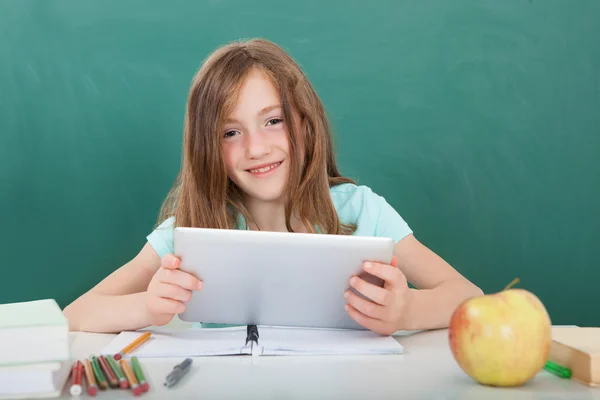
203,195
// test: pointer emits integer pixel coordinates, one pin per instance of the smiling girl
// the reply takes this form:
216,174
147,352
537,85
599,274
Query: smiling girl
258,154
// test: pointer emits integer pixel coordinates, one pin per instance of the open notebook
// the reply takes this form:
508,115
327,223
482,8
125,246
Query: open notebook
269,341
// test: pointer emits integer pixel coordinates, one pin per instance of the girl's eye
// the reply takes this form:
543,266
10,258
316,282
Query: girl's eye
229,134
274,121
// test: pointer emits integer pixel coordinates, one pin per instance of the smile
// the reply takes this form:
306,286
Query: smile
264,169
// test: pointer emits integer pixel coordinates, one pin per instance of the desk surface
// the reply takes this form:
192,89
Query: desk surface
426,370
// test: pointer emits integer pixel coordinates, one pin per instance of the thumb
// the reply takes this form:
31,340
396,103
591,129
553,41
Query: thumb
169,261
394,262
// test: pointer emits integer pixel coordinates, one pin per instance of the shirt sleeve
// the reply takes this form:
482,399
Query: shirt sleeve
389,222
161,238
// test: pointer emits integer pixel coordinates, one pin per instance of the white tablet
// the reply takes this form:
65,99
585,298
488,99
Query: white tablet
274,278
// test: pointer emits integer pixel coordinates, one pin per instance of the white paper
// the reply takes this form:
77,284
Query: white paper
184,343
288,341
272,341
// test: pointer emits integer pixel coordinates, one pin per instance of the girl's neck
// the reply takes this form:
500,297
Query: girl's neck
270,216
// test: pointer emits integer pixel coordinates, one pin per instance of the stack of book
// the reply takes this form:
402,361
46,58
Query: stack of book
35,358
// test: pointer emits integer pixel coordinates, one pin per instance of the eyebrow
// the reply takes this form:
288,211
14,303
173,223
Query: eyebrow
260,113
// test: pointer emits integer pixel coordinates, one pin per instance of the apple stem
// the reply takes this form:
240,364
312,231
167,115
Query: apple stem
514,282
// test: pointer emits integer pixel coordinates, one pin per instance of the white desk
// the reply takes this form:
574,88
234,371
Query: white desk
427,370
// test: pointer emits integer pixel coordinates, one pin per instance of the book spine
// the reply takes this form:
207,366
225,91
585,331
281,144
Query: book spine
252,334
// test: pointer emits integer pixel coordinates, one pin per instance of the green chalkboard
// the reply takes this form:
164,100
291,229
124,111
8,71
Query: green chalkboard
479,121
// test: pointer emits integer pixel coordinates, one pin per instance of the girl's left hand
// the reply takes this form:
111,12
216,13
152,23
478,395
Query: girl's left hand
385,313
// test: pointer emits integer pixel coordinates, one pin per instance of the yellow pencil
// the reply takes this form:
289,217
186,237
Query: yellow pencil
132,346
91,379
137,389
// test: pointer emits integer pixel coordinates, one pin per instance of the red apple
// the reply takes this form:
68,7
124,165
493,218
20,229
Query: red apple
501,339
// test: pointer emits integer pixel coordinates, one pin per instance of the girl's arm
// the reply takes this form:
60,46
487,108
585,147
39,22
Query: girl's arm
145,291
440,287
118,302
395,306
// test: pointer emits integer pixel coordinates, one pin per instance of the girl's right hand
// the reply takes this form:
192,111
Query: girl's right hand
169,290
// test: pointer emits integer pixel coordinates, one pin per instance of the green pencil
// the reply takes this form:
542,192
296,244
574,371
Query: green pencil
123,382
557,370
98,372
139,374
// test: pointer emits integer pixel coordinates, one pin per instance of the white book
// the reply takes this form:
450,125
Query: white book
33,332
271,341
34,380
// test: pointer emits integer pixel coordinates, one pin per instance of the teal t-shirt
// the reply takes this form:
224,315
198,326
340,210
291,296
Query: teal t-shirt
354,204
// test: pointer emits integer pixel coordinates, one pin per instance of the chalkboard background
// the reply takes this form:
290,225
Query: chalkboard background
479,121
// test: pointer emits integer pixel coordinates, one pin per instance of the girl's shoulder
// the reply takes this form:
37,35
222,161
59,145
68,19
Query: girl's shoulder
369,211
353,201
350,194
161,238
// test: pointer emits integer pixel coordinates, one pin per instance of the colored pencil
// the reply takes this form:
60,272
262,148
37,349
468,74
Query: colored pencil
76,371
98,372
92,387
132,346
139,374
137,390
117,370
108,372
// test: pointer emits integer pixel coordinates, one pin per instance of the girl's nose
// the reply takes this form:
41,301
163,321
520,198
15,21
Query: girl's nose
257,145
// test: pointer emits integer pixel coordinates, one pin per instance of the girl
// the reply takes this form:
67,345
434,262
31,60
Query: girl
257,154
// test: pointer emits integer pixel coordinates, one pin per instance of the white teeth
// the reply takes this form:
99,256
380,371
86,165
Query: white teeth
264,169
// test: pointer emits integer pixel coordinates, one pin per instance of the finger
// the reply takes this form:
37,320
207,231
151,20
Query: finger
375,293
394,262
174,292
391,275
180,278
161,305
366,307
169,261
365,321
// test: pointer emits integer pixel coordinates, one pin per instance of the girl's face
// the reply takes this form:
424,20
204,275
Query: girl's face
255,141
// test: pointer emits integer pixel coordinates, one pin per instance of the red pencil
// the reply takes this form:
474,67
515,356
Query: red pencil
110,374
76,373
